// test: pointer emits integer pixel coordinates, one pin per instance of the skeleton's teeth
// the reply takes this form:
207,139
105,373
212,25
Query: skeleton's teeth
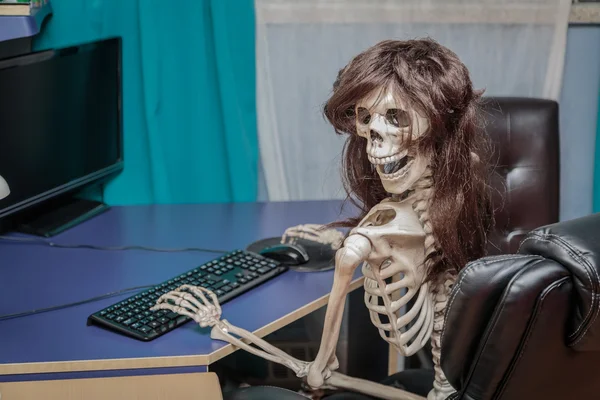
384,160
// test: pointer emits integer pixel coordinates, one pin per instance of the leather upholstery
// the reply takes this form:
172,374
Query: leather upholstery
575,245
524,326
524,134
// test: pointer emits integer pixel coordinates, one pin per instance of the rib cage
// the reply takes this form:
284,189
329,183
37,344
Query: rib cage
394,273
401,238
406,341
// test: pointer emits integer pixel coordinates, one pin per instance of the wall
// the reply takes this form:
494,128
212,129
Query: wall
578,120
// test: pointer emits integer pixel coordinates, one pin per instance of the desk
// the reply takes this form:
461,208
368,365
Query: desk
59,344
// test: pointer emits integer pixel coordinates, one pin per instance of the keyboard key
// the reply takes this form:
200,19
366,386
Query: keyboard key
154,324
172,315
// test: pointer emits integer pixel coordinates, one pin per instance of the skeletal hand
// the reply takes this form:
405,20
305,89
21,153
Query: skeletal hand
200,309
315,233
202,306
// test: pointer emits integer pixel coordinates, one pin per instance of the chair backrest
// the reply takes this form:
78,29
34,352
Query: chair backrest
524,134
525,326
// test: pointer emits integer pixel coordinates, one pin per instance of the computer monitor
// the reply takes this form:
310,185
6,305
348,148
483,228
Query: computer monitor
60,132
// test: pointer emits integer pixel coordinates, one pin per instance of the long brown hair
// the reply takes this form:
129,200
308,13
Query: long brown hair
432,79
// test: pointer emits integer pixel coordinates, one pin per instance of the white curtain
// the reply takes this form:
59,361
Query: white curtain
511,47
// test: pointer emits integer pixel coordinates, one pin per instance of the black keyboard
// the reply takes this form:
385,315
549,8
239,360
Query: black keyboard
227,276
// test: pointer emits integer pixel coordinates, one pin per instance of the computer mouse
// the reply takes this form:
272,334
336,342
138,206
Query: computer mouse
287,254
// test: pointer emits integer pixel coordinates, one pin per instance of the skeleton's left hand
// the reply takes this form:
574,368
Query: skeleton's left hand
314,232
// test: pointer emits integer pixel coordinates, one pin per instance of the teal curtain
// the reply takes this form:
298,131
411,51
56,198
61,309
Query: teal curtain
188,94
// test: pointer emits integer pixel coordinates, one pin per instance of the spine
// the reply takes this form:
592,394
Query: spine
441,387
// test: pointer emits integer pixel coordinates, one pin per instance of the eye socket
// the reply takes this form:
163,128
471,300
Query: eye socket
363,116
397,117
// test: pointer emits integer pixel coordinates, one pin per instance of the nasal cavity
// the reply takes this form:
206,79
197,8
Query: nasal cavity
376,137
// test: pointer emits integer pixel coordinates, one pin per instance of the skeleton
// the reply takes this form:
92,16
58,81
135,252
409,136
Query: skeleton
394,242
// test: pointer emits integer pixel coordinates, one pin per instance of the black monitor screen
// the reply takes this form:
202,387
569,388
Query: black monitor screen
59,121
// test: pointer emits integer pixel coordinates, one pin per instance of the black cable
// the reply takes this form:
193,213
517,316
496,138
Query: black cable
93,247
54,308
108,248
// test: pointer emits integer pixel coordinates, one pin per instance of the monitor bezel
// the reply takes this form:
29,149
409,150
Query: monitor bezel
95,176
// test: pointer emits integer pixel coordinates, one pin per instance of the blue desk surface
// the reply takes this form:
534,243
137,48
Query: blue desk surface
36,276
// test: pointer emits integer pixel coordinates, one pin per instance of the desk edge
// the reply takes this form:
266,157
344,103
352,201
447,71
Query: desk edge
163,362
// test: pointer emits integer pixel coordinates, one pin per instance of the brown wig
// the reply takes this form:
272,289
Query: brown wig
431,79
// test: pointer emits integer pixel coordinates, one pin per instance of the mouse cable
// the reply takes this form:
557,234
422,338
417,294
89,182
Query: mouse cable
77,303
109,248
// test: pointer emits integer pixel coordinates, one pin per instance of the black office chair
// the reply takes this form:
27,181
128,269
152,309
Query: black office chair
525,326
524,133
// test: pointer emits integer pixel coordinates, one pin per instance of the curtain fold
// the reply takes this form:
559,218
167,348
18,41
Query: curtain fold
189,120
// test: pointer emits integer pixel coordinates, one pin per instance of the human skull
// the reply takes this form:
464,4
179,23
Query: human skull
384,121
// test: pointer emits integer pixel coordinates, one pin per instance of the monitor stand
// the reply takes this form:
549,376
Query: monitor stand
50,221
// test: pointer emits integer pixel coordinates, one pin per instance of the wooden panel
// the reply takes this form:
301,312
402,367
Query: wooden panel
201,386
